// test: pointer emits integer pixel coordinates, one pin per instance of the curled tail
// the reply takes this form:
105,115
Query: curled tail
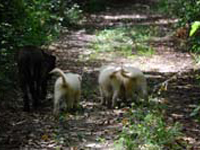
131,72
125,73
61,73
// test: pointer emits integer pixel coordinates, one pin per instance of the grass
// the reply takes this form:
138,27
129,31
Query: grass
145,129
125,41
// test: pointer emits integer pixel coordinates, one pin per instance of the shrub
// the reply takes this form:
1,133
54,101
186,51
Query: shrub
194,37
22,23
74,14
187,12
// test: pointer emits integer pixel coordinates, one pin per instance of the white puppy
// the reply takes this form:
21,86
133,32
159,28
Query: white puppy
109,84
68,87
134,82
115,81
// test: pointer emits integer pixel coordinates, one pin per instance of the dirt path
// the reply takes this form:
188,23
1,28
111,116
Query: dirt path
96,127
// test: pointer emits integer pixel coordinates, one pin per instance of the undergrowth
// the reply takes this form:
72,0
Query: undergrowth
124,40
145,128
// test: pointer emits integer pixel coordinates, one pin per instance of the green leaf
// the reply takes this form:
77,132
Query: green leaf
195,27
195,111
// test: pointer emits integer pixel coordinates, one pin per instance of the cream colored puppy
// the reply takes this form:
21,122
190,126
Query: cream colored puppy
110,83
68,87
134,82
126,81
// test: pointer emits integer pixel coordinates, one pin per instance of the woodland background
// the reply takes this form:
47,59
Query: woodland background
82,34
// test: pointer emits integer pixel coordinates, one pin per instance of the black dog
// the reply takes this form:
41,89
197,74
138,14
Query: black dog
34,66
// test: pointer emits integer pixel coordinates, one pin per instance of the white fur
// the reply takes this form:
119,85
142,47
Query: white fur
134,82
109,84
113,78
67,86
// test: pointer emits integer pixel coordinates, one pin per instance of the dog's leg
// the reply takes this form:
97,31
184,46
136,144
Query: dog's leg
43,89
115,96
57,97
76,101
24,87
37,87
103,100
25,97
31,85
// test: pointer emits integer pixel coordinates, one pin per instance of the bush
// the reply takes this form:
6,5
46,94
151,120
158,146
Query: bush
22,23
195,36
74,14
29,22
188,13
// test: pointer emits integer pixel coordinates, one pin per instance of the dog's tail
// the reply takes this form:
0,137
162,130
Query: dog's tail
125,73
61,73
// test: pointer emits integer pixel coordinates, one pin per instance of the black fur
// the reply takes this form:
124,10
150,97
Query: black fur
34,66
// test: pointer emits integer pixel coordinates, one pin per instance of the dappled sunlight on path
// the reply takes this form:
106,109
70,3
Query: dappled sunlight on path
96,127
74,53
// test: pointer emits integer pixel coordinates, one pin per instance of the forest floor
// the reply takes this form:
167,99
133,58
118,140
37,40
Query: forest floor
97,127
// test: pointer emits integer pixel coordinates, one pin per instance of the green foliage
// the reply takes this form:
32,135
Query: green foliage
74,14
146,130
195,27
22,23
124,40
195,111
39,25
195,114
195,36
187,12
29,22
161,7
113,40
144,50
96,5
